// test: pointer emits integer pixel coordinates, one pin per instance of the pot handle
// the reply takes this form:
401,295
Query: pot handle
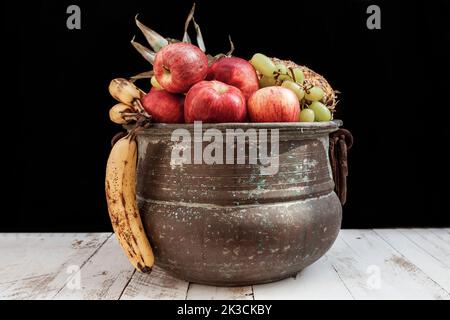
340,142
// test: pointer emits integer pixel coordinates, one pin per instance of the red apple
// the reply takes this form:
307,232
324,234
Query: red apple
235,72
273,104
214,102
164,107
179,66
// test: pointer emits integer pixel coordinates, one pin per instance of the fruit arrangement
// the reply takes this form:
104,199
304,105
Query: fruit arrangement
189,85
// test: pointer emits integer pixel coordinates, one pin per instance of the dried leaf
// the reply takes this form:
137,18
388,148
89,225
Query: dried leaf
200,42
186,25
142,75
148,54
155,40
187,39
231,47
211,59
173,40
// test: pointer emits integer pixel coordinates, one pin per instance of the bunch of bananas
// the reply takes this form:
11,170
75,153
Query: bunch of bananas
129,97
120,182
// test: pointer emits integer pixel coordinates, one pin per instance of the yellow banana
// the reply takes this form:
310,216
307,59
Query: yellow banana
124,91
131,209
122,113
121,199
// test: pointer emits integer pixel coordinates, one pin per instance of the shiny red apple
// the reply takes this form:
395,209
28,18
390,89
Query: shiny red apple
179,66
235,72
273,104
214,102
164,107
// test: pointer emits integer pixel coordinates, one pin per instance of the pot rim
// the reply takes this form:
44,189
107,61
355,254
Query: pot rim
304,127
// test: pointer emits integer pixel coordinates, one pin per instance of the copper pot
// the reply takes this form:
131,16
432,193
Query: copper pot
229,225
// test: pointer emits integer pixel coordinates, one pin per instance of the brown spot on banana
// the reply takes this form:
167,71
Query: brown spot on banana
124,91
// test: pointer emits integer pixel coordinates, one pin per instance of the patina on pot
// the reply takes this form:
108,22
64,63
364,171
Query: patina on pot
228,225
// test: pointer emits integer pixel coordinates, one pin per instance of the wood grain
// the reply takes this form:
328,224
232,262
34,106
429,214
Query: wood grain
201,292
372,269
155,286
37,266
409,264
425,250
319,281
103,277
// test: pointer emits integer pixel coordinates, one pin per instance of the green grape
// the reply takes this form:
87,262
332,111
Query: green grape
314,94
267,82
321,112
156,84
294,87
284,77
307,115
263,64
298,74
281,68
283,72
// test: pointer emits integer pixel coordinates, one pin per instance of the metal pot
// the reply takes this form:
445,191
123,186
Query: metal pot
229,225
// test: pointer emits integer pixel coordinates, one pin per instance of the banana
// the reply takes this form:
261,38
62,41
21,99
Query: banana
131,209
122,113
124,91
121,199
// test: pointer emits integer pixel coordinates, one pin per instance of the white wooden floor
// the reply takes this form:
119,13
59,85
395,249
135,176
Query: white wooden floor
363,264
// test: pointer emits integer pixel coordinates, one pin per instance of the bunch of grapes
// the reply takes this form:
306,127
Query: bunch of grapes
293,78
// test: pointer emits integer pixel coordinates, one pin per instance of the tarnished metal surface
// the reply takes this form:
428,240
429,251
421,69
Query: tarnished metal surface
229,225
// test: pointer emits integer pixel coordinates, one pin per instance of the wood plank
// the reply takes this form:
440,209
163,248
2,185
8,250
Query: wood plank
430,242
318,281
202,292
413,264
362,258
443,233
37,266
416,249
155,286
103,277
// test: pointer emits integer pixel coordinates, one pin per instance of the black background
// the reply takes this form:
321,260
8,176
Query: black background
394,83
